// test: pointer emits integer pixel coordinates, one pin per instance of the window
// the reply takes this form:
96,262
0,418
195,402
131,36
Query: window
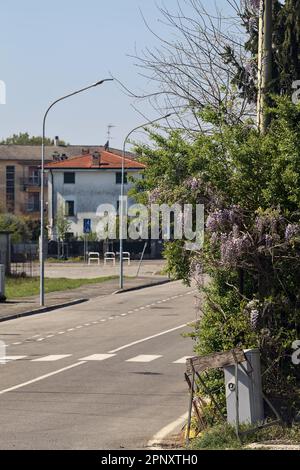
10,188
69,178
34,176
119,178
33,202
70,208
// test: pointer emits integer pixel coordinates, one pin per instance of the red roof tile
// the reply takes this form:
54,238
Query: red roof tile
108,160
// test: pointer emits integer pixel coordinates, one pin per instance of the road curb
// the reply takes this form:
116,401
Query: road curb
144,286
78,301
43,310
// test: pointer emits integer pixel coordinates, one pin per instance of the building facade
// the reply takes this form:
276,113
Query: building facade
20,180
77,186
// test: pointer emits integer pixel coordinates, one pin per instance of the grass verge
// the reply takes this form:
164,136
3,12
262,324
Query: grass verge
18,287
223,437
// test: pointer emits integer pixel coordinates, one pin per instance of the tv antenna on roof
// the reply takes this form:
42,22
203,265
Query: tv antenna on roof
109,128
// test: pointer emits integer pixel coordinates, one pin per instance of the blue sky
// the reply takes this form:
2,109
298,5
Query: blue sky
49,48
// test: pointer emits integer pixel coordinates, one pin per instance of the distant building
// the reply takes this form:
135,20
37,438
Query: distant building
80,184
20,175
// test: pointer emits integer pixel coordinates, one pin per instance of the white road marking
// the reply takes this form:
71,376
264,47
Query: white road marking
16,344
182,360
52,358
98,357
147,339
144,358
157,439
13,358
39,379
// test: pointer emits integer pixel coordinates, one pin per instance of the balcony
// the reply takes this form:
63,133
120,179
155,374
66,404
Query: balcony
32,182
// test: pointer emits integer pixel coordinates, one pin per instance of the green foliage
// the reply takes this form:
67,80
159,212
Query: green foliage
223,437
23,138
17,225
249,184
62,224
220,437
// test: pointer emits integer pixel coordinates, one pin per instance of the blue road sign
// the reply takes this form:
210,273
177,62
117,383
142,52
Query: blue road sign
87,226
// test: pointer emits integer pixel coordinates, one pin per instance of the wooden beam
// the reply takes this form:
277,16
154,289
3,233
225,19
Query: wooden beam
214,361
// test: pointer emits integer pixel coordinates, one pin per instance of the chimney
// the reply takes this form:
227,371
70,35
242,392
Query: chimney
96,159
56,141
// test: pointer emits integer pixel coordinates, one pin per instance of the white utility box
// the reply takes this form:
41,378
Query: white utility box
250,397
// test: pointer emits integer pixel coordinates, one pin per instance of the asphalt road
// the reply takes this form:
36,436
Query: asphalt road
107,374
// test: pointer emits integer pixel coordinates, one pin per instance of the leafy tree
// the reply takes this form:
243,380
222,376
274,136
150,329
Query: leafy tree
62,224
16,225
26,139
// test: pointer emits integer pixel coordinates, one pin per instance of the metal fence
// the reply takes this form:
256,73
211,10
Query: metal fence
78,249
24,259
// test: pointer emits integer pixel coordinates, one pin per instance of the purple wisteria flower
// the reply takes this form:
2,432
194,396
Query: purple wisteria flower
253,309
196,273
223,220
233,247
292,231
154,195
194,184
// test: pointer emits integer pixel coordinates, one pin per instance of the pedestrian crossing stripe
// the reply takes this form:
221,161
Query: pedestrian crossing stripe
97,357
52,358
182,360
142,358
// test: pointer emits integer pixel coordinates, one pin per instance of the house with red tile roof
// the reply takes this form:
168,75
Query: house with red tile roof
78,185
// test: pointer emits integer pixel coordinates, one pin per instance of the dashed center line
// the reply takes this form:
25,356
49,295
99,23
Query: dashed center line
159,302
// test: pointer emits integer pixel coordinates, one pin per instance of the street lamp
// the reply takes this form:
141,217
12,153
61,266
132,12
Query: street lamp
121,234
42,260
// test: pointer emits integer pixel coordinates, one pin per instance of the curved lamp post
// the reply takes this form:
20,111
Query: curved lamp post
121,276
42,241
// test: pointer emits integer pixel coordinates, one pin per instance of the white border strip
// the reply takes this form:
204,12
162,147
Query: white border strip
148,338
156,441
